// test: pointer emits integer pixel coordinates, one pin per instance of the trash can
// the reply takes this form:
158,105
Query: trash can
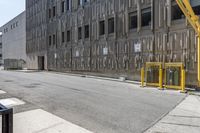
7,119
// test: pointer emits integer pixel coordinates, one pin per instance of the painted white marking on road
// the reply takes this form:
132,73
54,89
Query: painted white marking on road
11,102
40,121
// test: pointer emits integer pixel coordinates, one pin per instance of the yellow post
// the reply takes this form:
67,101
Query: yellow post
160,78
198,62
183,81
142,77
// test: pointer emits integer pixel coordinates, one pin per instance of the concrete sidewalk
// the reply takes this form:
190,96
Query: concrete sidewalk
40,121
185,118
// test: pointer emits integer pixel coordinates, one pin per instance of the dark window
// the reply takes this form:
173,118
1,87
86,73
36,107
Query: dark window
68,36
111,25
68,5
146,17
54,39
0,45
49,13
85,1
14,25
177,13
0,55
197,10
49,40
54,11
133,21
87,31
102,28
79,2
63,6
80,33
63,37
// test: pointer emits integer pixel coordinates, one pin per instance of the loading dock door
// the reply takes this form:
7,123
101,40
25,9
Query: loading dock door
41,62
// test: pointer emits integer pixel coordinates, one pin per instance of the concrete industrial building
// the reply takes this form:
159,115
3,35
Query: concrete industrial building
110,37
14,42
36,31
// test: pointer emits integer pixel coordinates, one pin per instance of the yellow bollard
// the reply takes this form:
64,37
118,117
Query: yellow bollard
183,81
160,78
142,77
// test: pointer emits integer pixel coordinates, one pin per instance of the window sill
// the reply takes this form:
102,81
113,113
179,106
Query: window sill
178,21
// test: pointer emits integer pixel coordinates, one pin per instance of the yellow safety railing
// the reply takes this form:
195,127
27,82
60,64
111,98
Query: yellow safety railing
174,76
142,77
153,73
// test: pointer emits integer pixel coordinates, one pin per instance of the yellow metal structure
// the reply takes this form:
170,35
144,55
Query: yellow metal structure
193,19
178,66
183,82
158,66
142,77
160,78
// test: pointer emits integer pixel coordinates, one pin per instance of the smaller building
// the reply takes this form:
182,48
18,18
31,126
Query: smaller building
13,43
1,62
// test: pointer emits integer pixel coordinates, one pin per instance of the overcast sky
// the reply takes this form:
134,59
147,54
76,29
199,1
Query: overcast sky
10,9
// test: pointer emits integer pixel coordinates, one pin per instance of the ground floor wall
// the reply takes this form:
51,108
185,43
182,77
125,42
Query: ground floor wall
126,56
37,61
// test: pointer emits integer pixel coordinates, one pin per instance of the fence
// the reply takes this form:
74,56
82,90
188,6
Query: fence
174,75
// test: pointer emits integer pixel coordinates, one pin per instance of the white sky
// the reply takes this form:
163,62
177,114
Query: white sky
10,9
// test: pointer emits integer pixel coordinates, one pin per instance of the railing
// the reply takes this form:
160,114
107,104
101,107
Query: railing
172,73
153,74
7,119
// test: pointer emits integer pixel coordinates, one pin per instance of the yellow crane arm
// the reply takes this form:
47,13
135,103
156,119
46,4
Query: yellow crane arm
190,15
193,19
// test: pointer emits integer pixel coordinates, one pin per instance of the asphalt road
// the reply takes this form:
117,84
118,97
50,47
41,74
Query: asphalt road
100,106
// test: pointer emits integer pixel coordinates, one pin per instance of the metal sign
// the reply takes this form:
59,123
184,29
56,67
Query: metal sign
55,55
137,47
105,51
77,53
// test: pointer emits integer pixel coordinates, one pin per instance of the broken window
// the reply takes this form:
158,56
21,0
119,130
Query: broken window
62,6
87,32
111,25
101,27
133,21
68,36
79,33
146,17
63,37
176,13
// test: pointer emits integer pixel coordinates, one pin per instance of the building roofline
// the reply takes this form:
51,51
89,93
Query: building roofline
13,18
